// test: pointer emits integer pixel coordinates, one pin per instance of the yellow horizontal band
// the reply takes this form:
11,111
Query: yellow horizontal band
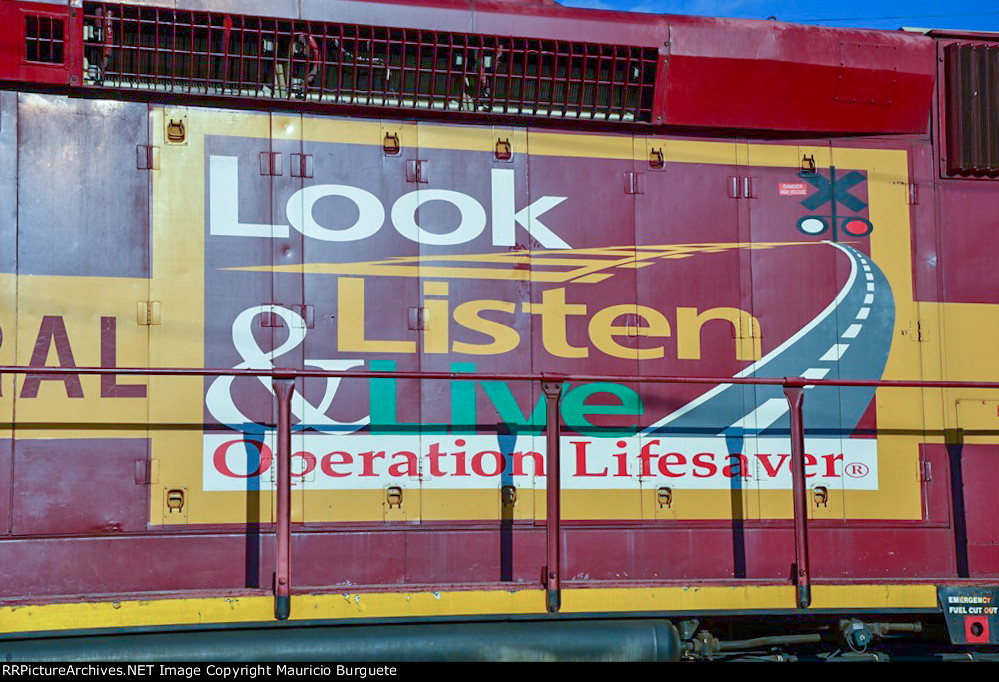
377,605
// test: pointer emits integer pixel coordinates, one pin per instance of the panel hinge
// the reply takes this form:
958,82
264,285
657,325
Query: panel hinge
147,313
270,163
147,471
301,166
925,471
732,185
416,171
417,319
307,313
742,187
748,328
147,157
915,331
913,196
634,183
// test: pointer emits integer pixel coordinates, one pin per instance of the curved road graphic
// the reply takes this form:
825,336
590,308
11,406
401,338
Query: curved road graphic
850,339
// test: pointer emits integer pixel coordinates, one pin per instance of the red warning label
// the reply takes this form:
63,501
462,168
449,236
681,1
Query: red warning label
792,189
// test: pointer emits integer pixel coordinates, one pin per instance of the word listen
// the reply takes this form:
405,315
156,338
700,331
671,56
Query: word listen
557,316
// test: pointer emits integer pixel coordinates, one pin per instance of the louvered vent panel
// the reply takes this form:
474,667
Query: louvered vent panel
972,82
222,55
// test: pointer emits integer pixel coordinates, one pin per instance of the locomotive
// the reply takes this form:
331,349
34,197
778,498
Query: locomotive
493,330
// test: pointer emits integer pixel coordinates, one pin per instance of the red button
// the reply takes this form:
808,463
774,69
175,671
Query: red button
976,629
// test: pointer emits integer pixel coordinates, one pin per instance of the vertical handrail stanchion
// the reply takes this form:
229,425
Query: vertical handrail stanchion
282,563
553,588
794,392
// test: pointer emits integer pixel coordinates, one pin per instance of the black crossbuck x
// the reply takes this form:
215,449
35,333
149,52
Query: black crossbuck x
825,193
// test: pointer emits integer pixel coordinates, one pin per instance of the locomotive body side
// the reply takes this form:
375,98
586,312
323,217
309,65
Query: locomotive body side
489,252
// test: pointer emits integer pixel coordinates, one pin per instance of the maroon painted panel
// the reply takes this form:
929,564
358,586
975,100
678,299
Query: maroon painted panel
882,553
78,486
429,556
967,262
777,76
118,566
925,237
6,447
980,473
96,206
936,479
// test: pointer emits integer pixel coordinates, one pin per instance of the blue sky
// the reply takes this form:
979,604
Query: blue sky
979,15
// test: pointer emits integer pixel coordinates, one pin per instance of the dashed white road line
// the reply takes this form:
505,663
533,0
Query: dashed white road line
835,353
852,331
869,276
864,312
815,373
870,286
763,416
869,298
776,352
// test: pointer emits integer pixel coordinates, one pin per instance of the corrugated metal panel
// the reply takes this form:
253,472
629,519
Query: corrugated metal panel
972,86
202,53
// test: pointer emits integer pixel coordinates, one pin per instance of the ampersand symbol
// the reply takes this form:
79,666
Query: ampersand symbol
218,398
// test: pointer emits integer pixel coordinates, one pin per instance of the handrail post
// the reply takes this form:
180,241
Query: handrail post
283,388
553,396
794,392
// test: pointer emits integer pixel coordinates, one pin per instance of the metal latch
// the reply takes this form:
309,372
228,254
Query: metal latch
176,131
665,497
391,145
393,496
508,494
175,500
808,164
656,158
820,494
504,150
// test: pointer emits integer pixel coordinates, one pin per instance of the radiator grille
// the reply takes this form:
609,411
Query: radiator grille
203,53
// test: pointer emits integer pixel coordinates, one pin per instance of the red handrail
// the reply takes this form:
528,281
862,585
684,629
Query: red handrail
284,379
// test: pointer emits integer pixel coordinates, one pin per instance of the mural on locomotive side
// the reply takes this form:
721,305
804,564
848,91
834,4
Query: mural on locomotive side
444,258
298,241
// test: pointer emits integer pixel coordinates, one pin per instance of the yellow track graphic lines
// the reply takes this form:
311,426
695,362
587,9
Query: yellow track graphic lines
582,266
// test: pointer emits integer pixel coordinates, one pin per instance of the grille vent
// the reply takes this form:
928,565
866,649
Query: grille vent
203,53
44,39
